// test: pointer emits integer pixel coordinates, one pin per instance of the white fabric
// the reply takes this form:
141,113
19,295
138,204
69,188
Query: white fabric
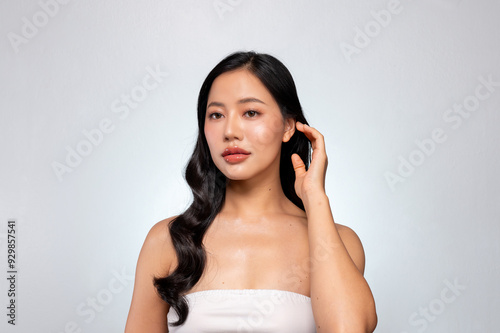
247,310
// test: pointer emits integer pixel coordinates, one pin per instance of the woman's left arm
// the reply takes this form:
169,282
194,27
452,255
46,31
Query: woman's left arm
341,298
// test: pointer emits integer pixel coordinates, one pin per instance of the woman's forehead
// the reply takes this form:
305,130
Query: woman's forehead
239,86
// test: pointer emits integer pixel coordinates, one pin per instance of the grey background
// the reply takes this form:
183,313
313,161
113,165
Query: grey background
437,226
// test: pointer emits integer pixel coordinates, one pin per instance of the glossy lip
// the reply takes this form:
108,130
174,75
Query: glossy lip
235,158
234,151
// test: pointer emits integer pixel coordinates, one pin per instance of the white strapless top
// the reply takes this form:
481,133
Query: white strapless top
246,310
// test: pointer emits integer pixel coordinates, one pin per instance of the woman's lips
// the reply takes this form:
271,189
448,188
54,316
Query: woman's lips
234,150
235,154
235,158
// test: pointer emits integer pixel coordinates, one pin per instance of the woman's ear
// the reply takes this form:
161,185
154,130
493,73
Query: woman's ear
289,129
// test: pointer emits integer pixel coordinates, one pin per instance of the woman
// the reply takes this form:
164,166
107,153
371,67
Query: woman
258,249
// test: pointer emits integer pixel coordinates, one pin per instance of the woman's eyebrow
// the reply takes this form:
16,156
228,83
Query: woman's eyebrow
241,101
216,104
250,100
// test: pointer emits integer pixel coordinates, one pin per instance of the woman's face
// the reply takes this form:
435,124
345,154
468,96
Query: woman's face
241,113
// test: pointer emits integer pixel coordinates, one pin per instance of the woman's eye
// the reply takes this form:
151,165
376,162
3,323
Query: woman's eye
215,115
252,113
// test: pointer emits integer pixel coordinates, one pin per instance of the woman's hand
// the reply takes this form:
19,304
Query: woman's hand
312,181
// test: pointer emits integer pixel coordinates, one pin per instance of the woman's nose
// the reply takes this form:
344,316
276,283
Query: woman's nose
233,128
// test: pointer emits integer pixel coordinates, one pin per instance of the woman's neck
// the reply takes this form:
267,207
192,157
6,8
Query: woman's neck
246,199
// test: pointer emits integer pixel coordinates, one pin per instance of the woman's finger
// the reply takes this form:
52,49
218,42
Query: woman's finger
298,165
316,138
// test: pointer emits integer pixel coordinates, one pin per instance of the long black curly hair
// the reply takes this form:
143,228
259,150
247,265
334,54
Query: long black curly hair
208,184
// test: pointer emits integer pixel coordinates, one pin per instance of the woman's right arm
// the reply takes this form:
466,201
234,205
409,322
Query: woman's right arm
148,312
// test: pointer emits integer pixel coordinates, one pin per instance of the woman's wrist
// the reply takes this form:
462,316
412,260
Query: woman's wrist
315,198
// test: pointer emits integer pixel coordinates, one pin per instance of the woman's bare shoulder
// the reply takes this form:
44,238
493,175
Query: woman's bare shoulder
157,259
158,245
159,233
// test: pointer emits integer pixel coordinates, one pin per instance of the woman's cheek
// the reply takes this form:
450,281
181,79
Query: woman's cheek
269,132
209,137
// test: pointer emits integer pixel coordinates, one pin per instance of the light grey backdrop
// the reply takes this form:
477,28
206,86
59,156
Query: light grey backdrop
98,120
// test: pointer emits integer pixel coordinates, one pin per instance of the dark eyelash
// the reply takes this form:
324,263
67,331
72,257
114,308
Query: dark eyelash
256,112
214,113
219,114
